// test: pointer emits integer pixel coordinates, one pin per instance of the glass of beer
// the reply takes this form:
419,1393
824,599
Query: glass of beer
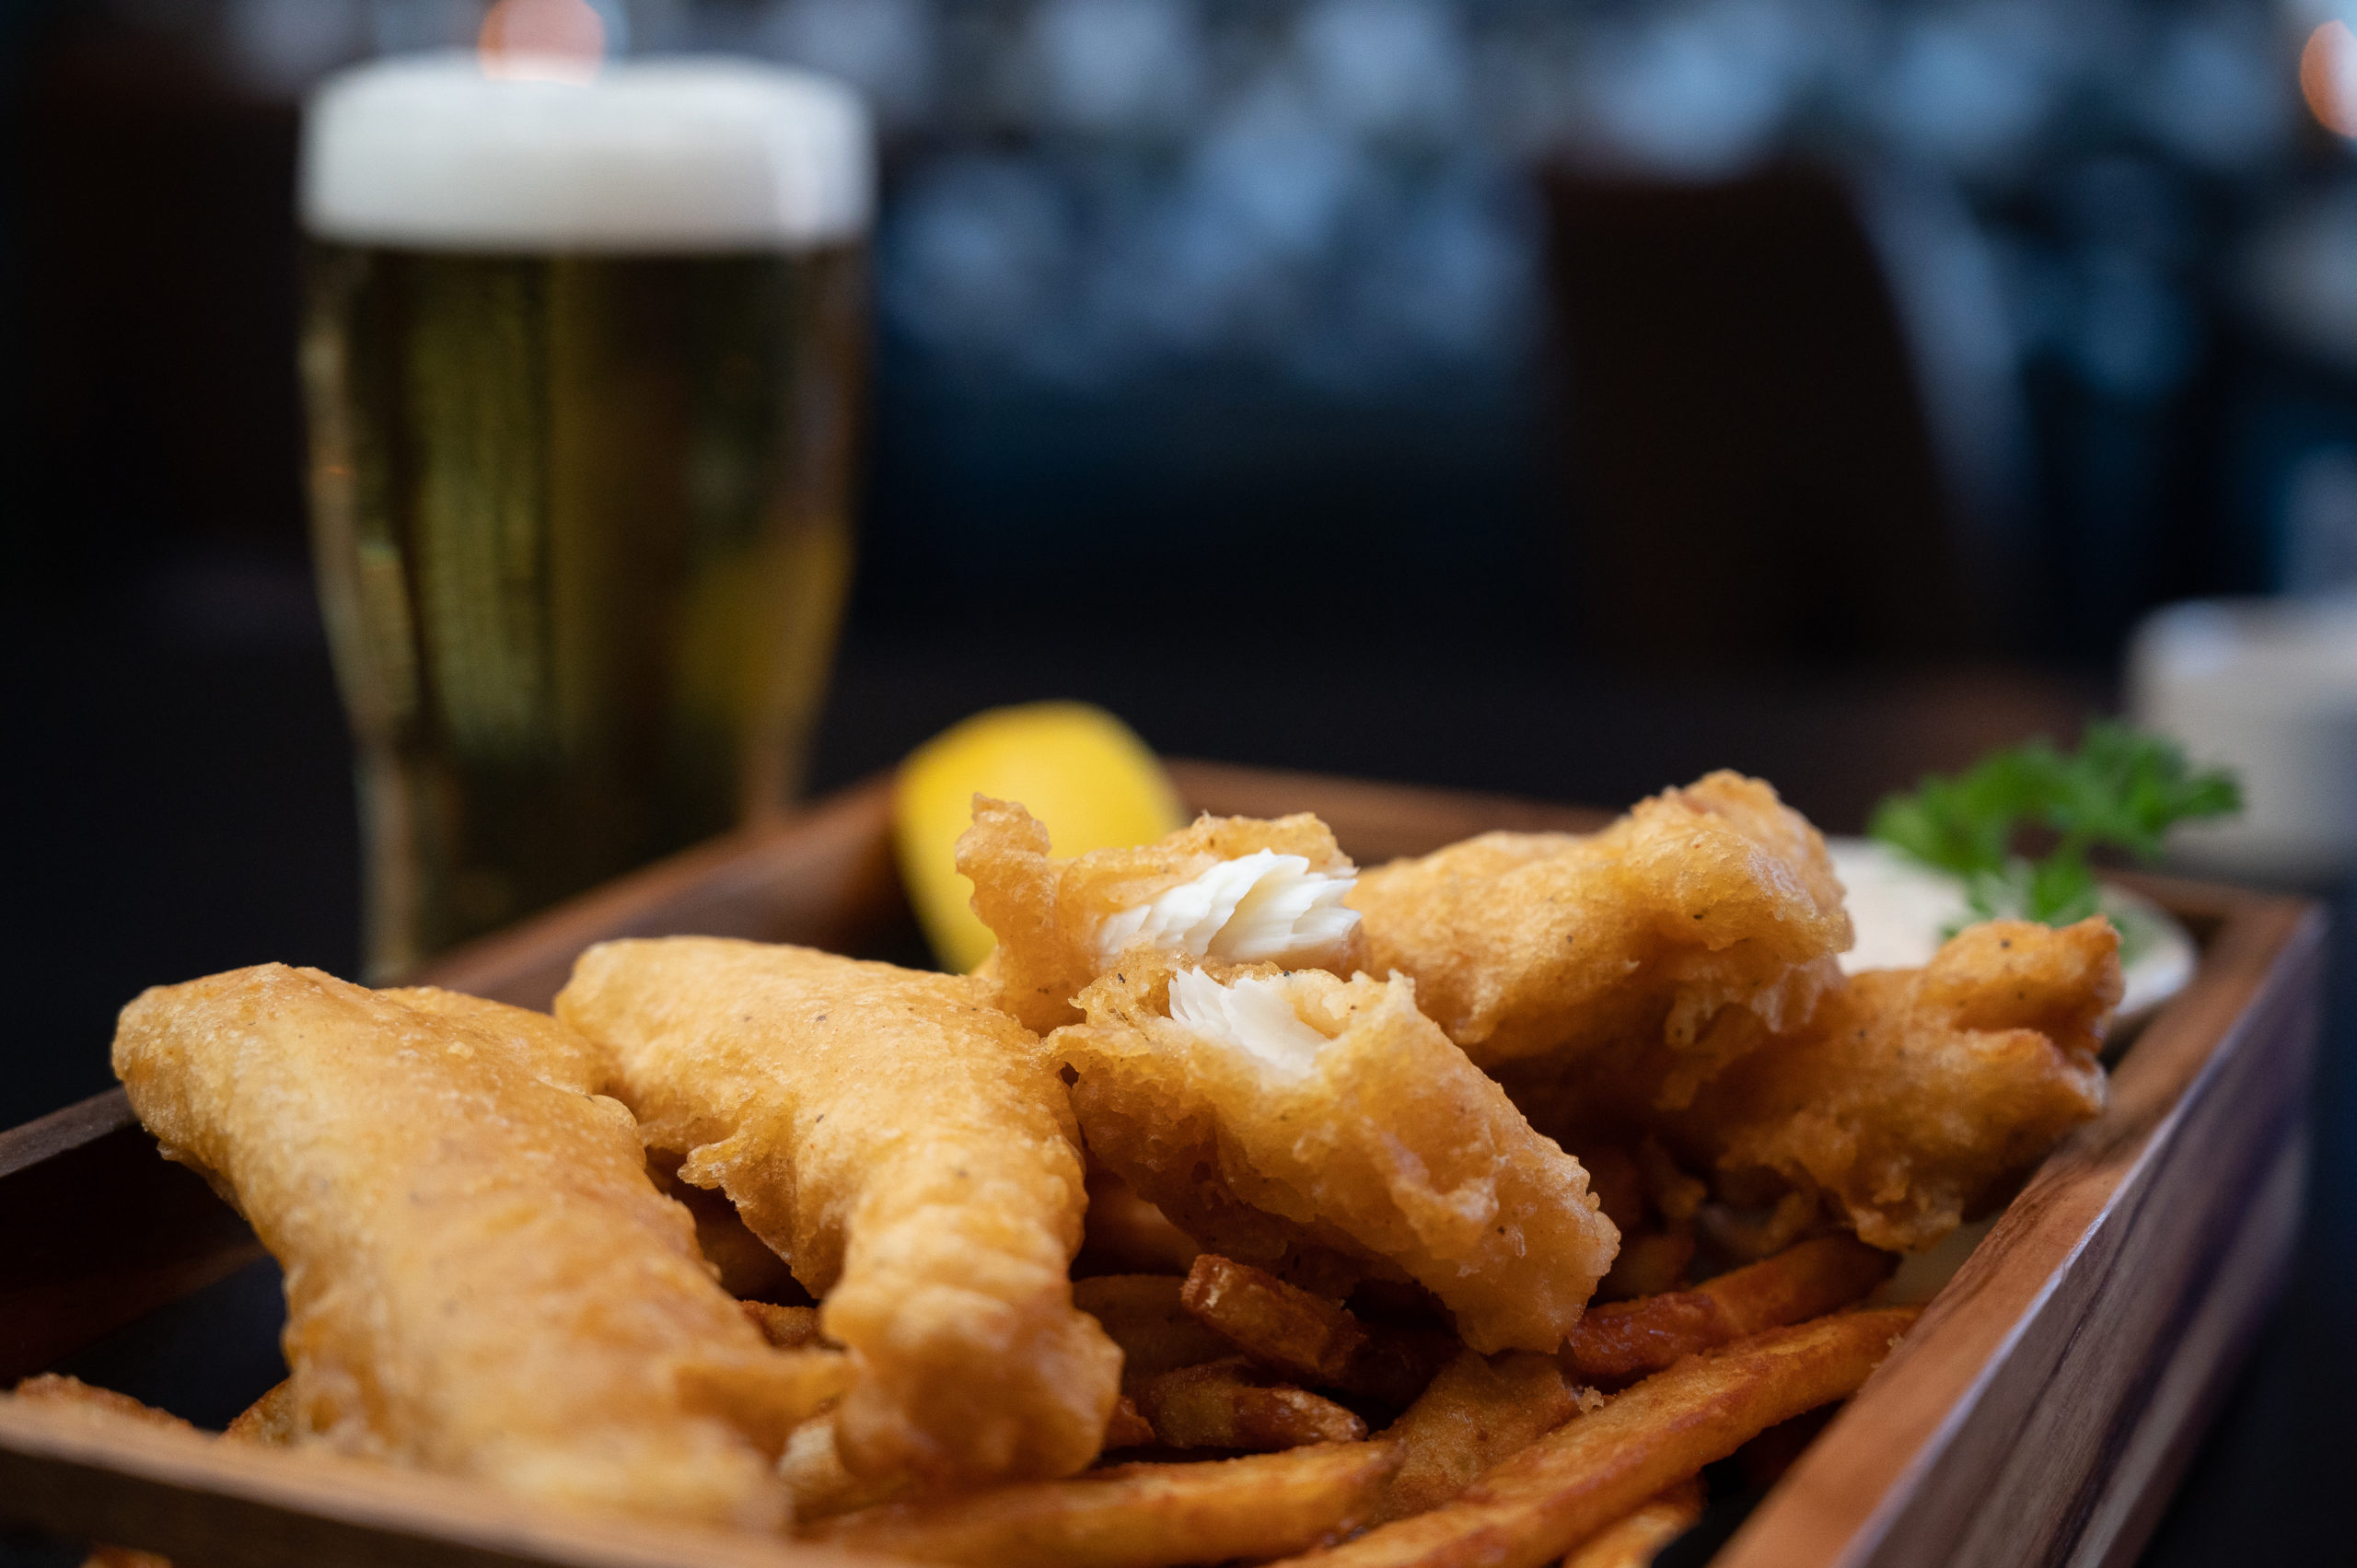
584,364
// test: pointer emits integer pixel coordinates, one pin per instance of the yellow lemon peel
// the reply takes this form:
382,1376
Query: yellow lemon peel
1074,767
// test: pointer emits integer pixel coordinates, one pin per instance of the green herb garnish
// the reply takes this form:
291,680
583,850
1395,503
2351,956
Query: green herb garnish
2122,789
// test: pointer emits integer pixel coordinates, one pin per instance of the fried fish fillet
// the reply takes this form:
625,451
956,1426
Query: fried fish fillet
911,1152
1268,1112
1914,1096
1234,890
480,1278
1706,917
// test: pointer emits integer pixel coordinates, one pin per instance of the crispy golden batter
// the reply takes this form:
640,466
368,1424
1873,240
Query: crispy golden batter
911,1152
1232,888
1529,947
1914,1096
1269,1113
481,1279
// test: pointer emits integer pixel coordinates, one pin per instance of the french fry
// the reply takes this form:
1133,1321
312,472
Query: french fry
1231,1404
272,1420
103,1556
786,1328
1125,1235
1650,1262
1618,1183
1621,1341
1307,1336
1476,1412
1638,1537
1142,1314
1587,1474
1148,1516
50,1388
1276,1324
1127,1428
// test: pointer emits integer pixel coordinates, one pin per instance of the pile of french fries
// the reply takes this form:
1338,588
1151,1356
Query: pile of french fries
1260,1423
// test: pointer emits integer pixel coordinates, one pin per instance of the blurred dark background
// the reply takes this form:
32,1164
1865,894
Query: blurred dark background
1555,396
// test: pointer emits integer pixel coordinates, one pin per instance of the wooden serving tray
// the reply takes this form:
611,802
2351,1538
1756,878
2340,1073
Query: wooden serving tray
2039,1414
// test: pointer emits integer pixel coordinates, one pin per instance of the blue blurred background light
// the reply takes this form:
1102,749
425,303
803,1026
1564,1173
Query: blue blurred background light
2103,275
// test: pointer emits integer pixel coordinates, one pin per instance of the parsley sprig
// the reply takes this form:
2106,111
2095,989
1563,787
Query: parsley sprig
2122,788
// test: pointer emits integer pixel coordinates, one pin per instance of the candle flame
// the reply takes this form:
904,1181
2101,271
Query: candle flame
545,41
2329,76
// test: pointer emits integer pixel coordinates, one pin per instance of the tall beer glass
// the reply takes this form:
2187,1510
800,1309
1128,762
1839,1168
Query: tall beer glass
583,364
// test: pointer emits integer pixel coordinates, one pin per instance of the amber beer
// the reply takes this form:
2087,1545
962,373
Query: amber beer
582,438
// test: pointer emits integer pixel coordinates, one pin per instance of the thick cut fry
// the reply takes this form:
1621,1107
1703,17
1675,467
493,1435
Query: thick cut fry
1479,1411
1231,1404
1137,1516
1579,1479
1544,948
1234,890
1638,1538
1915,1095
1145,1316
1650,1262
274,1421
58,1393
1654,1203
1128,1428
480,1278
1126,1235
911,1152
1278,1325
268,1422
102,1556
1621,1341
1308,1338
1273,1114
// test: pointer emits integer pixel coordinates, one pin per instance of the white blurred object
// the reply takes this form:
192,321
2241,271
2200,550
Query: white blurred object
2267,688
674,154
1902,910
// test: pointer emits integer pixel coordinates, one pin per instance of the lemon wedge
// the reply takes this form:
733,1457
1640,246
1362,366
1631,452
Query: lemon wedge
1077,768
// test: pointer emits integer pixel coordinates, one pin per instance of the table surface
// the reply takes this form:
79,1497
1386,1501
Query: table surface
181,802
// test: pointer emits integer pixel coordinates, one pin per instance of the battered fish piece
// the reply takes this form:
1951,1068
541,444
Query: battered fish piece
1233,890
480,1278
1269,1113
1908,1102
1914,1096
911,1152
1708,917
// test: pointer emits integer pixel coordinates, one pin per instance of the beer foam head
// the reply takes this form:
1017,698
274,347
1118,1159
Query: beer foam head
680,155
